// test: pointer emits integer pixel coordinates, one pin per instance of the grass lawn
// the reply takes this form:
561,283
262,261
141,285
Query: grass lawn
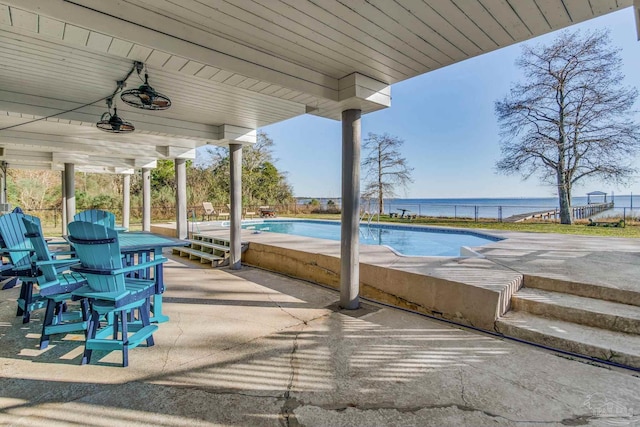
631,230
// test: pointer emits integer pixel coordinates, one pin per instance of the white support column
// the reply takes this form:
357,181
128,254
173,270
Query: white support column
182,228
65,221
126,200
70,190
349,233
235,154
146,199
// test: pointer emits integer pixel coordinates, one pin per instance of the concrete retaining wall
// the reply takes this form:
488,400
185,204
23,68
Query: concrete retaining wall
450,300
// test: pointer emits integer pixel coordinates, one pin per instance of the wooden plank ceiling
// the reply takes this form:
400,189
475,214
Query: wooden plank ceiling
230,66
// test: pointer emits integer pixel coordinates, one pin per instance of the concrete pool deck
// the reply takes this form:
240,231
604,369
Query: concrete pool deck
251,347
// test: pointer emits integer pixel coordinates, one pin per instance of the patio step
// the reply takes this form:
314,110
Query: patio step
200,244
606,345
219,243
211,239
204,257
624,296
585,311
208,249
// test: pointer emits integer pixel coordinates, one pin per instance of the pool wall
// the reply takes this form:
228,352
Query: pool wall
471,305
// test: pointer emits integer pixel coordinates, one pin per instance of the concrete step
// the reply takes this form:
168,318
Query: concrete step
217,243
623,296
599,343
585,311
204,257
199,244
210,239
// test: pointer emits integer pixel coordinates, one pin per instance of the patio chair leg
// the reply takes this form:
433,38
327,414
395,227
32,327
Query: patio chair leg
20,311
145,318
28,299
59,311
84,306
125,339
48,320
91,334
116,316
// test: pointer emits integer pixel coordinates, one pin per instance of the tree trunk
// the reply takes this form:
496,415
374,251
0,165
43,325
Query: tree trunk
564,200
380,190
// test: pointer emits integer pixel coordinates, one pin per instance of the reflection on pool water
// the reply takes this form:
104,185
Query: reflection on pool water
406,240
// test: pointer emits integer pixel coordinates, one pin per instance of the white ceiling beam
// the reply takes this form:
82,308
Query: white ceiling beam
172,152
103,162
92,169
59,143
356,85
150,165
136,24
10,155
230,134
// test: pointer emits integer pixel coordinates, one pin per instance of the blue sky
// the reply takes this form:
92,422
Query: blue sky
447,121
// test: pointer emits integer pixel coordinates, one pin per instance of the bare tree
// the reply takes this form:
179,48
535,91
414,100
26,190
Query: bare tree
571,119
385,168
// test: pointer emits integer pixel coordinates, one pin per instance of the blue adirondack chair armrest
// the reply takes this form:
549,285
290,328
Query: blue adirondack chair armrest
63,283
86,292
7,250
142,266
67,262
112,272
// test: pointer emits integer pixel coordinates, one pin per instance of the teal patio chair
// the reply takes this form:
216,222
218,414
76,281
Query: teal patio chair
55,286
97,216
17,249
111,293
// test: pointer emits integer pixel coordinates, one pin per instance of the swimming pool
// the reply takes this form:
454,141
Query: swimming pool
405,240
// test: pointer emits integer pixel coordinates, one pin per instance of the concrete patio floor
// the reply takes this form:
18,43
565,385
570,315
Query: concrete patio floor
251,347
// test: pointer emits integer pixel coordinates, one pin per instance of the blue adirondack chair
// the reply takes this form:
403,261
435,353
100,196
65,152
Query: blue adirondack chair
96,216
111,293
17,248
55,286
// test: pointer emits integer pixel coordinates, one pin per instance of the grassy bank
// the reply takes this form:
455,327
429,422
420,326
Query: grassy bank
631,230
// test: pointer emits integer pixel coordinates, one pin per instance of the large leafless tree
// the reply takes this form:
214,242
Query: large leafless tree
571,118
384,167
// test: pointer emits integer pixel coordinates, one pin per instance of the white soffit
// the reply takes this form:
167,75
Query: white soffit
235,63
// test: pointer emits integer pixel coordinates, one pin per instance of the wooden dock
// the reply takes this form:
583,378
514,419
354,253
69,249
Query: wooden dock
584,212
539,215
578,212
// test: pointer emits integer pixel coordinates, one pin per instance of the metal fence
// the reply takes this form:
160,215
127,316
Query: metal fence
52,218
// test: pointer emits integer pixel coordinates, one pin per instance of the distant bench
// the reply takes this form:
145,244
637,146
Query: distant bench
609,223
406,215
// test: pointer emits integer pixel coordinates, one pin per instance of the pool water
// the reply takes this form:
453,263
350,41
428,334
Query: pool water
415,241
